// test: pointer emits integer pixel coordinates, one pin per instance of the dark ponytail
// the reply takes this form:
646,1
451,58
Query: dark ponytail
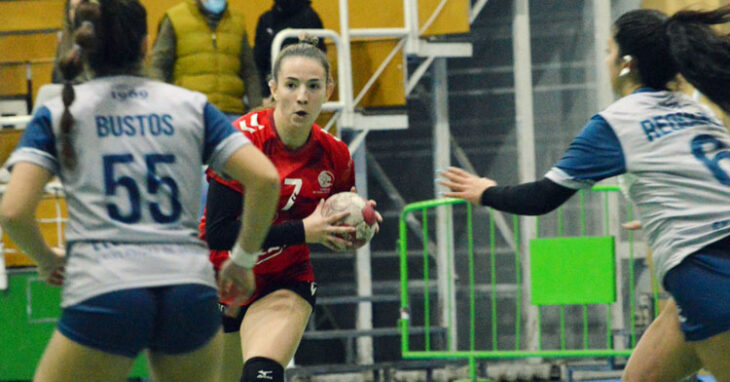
640,34
108,34
71,65
701,54
684,43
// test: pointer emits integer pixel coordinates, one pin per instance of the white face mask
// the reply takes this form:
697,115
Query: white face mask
215,7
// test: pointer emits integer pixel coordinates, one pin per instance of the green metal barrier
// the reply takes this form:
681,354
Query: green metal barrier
580,276
29,310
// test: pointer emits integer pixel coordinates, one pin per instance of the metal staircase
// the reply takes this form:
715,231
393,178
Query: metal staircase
354,326
463,111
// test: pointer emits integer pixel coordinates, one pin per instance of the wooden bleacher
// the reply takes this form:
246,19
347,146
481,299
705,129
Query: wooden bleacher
31,36
28,38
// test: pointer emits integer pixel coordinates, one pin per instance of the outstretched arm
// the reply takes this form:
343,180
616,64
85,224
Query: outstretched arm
533,198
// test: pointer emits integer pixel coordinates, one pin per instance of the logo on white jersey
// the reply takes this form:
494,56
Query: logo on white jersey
265,374
326,179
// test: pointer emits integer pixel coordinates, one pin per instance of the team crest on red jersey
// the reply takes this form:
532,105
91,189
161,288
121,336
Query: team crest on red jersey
326,179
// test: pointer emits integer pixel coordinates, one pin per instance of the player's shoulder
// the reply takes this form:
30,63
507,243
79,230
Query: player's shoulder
647,100
330,142
256,125
127,87
172,92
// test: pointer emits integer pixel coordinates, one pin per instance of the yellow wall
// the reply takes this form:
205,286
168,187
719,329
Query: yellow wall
454,18
366,55
25,15
39,48
8,140
671,6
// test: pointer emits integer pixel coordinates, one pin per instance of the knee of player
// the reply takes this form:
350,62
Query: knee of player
258,369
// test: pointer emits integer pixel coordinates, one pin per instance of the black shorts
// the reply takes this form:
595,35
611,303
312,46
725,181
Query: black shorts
306,290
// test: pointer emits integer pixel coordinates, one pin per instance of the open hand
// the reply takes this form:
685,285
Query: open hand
325,231
374,204
237,284
464,185
53,270
632,225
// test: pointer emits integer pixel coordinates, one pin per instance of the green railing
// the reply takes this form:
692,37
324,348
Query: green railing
29,311
588,222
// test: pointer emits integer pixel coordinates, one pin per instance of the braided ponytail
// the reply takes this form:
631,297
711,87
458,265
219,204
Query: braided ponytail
71,65
109,35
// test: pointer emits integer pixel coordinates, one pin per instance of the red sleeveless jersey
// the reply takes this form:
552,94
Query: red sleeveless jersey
320,168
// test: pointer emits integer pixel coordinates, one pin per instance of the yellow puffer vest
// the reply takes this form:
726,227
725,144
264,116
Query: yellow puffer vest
209,61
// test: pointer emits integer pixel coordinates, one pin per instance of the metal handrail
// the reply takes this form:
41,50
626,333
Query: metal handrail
472,354
19,121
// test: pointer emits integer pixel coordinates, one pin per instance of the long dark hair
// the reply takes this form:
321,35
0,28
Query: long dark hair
109,35
683,43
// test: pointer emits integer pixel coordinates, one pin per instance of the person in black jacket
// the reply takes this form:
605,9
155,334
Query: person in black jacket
296,14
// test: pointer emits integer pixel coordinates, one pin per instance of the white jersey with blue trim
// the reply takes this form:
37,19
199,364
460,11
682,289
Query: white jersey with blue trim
672,150
134,195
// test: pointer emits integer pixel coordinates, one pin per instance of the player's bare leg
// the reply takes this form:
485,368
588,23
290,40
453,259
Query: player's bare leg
714,355
273,326
232,357
66,360
662,354
202,364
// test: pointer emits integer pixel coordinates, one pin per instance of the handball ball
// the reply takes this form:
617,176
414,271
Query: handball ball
362,216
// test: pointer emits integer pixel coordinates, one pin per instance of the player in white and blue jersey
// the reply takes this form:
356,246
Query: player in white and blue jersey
129,151
673,155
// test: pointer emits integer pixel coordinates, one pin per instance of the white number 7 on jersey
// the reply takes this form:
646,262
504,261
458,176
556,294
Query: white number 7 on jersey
297,182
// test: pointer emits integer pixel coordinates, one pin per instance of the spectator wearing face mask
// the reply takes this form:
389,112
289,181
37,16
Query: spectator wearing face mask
295,14
202,45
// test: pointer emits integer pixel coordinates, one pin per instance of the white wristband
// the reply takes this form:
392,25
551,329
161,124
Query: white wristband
242,258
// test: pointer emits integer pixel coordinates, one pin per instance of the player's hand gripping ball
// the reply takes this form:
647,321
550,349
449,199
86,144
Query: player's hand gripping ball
362,216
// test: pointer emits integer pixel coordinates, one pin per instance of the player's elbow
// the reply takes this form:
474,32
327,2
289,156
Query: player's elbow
544,208
12,215
265,183
268,181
